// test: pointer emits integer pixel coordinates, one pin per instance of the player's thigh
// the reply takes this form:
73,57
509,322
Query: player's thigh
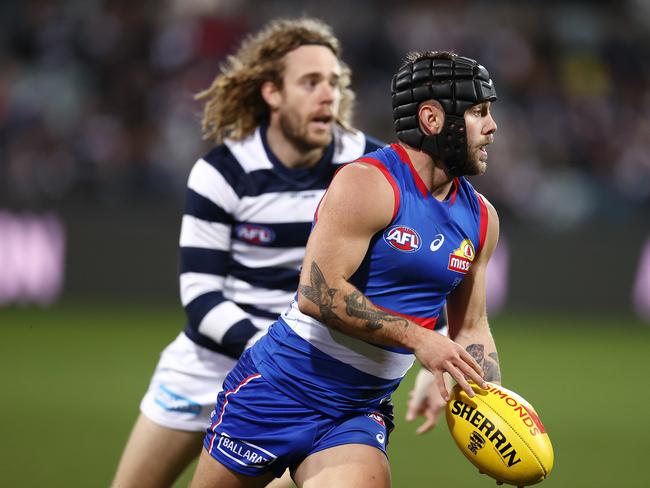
155,456
344,466
210,473
184,386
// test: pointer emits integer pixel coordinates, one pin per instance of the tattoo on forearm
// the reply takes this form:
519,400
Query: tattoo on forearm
490,364
320,293
358,306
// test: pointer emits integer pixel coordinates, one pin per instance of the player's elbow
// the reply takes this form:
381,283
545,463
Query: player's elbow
308,307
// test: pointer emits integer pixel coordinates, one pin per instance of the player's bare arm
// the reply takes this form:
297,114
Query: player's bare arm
357,205
466,306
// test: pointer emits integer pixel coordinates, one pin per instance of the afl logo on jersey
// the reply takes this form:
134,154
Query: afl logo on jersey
402,238
461,259
255,234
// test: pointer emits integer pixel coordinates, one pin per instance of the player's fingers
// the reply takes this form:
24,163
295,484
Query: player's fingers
414,409
460,379
467,357
417,402
473,375
427,425
440,383
435,414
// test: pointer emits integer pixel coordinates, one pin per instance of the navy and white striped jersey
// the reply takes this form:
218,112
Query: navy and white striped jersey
243,235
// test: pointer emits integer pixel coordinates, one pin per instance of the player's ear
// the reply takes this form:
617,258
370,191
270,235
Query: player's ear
271,94
431,116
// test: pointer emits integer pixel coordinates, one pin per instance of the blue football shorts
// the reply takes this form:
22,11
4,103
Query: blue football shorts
255,428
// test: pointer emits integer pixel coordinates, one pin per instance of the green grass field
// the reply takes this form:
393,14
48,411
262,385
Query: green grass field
72,378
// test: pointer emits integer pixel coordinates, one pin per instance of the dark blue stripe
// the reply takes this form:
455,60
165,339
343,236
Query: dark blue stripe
208,343
293,234
373,144
202,208
276,179
271,278
279,178
199,260
227,165
238,335
270,181
258,312
201,305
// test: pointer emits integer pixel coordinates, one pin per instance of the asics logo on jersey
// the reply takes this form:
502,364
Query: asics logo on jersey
255,234
402,238
437,242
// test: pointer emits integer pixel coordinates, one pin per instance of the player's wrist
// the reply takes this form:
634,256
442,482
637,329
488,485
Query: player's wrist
415,337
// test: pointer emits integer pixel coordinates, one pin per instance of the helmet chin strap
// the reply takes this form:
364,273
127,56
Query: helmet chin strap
457,83
449,145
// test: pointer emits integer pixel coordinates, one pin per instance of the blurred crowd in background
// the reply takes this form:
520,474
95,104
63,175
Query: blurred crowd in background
96,96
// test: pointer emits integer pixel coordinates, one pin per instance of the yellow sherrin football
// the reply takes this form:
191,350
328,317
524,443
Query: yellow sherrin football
501,434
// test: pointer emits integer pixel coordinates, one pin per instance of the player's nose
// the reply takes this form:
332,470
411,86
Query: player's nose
491,125
327,93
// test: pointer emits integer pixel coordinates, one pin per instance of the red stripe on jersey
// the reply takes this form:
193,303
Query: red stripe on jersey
454,190
483,223
401,152
426,322
380,166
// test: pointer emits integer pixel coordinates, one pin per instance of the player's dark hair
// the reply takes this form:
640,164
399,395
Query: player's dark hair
234,106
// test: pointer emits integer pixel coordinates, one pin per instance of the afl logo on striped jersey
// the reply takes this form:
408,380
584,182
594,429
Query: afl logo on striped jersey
402,238
255,234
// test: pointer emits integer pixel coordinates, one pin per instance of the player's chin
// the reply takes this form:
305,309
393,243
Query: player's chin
479,163
475,167
481,167
321,138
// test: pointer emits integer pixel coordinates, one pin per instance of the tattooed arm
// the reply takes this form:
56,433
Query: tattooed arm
466,306
358,204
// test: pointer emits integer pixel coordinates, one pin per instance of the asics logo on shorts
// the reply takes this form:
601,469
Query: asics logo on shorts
244,453
171,401
381,438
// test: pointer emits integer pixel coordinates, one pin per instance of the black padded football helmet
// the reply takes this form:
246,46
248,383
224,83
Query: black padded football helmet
456,83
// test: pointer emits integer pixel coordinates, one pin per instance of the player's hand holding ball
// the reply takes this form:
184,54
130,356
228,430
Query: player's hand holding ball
501,434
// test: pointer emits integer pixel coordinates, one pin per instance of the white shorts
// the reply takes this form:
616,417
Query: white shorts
184,386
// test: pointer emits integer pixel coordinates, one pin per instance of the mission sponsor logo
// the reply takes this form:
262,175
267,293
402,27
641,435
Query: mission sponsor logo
255,234
402,238
486,431
244,453
461,259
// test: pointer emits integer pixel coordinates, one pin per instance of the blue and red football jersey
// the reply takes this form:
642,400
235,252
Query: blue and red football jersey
410,268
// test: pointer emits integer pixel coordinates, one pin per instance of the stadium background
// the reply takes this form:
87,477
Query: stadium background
98,131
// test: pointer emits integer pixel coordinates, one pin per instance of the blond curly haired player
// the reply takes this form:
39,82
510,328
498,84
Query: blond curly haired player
280,114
